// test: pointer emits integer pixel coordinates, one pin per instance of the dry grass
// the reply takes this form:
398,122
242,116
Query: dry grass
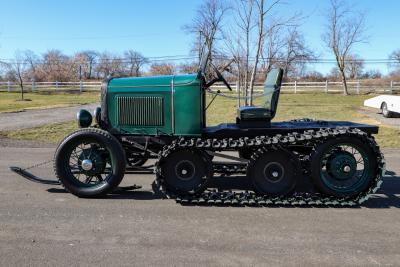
10,102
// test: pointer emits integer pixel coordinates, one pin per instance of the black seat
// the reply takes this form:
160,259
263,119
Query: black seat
262,116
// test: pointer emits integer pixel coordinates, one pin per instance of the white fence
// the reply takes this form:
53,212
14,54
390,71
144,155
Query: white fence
355,87
51,86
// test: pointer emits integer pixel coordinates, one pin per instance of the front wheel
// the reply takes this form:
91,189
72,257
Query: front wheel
90,163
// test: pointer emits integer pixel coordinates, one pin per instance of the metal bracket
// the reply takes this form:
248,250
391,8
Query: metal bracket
227,156
139,146
31,177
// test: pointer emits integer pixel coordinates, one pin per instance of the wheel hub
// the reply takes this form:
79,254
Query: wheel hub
274,172
90,162
87,164
185,170
347,169
342,165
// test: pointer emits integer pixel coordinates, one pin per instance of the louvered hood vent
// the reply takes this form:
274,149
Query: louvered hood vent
140,111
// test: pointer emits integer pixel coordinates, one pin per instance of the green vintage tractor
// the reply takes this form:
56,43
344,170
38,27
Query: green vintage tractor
164,118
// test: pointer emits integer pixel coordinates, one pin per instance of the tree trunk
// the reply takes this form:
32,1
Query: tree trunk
259,46
246,78
344,81
21,85
90,71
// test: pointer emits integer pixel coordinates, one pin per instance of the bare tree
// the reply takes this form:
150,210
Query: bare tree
135,61
16,70
256,41
295,53
192,67
372,74
314,76
273,46
344,29
162,69
87,61
239,40
262,11
110,65
394,57
354,66
207,23
33,61
56,66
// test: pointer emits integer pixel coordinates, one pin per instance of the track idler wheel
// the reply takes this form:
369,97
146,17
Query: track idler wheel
186,172
273,172
343,167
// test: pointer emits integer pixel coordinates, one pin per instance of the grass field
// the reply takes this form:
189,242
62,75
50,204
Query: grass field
316,106
10,102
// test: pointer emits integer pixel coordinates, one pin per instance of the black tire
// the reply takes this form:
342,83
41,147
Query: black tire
353,181
112,152
186,172
385,112
273,173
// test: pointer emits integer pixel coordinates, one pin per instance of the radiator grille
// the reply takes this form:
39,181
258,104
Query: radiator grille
140,111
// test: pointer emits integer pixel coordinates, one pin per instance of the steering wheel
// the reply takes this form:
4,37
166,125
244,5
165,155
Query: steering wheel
219,78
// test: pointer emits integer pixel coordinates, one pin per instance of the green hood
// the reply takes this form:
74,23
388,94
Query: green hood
155,81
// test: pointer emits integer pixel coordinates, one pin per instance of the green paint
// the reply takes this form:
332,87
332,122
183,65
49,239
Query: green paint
182,104
334,174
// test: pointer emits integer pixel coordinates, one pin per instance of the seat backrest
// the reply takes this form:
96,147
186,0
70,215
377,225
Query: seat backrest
272,88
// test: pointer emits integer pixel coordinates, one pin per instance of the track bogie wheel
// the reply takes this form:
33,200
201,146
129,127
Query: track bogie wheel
273,172
186,171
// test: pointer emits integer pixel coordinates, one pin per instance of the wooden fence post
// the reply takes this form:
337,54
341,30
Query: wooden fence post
238,92
391,87
295,87
33,85
56,85
81,86
358,87
326,86
8,86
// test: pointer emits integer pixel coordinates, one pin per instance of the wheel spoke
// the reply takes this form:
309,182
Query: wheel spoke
99,168
88,179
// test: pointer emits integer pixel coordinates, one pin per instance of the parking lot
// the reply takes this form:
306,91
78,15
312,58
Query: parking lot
42,224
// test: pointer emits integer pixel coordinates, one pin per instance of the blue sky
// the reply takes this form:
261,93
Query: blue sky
154,27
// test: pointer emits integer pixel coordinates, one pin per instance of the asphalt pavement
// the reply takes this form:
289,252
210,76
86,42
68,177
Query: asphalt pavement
377,115
37,117
42,225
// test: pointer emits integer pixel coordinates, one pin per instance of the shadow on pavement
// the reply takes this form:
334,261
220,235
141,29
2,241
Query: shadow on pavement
388,196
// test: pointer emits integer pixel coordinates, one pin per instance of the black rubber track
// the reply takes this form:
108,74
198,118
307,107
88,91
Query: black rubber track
308,138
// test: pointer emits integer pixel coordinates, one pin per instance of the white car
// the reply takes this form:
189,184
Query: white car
388,104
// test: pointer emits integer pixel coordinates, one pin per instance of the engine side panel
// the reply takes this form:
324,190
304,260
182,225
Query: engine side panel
165,105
